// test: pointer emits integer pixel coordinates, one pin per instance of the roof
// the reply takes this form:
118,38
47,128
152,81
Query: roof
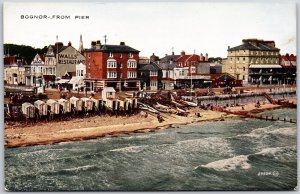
62,81
37,60
59,46
113,48
108,89
150,67
288,57
250,46
169,58
185,58
220,75
265,66
76,80
167,65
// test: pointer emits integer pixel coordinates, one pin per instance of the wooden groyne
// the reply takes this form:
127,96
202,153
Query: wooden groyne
247,114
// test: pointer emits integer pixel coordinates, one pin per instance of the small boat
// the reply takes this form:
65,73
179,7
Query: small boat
192,104
147,107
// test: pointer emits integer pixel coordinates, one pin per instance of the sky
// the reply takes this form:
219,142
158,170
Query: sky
154,27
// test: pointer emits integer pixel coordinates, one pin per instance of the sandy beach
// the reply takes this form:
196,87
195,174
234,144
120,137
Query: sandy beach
101,126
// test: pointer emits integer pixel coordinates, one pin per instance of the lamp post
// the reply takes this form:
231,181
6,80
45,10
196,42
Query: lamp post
191,78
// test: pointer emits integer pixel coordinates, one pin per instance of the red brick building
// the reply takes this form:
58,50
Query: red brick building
112,66
288,63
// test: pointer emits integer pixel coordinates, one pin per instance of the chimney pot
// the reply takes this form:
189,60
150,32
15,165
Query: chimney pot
69,44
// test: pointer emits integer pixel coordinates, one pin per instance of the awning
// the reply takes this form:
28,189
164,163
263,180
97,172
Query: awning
265,66
62,81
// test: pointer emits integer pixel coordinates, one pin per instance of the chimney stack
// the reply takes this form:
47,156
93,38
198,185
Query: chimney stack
206,57
228,47
182,53
122,43
98,44
93,44
201,57
172,52
69,44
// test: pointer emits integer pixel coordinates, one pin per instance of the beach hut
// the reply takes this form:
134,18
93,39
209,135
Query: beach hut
41,106
87,103
76,103
53,106
65,105
112,104
28,110
96,104
108,93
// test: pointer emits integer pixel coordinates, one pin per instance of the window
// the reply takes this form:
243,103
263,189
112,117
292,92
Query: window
121,55
111,63
89,55
121,66
131,64
131,74
121,75
110,54
111,74
81,73
130,55
244,68
244,59
153,73
41,69
153,83
193,69
243,77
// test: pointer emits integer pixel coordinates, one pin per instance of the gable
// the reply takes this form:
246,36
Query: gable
70,56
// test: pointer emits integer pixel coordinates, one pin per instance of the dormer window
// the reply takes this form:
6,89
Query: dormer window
130,55
111,54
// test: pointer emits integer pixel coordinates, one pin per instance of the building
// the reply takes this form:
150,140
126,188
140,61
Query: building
150,77
60,59
37,69
167,65
111,66
77,81
14,70
191,70
254,62
289,68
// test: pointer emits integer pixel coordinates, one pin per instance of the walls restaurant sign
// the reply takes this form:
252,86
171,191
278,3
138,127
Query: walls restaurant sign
69,59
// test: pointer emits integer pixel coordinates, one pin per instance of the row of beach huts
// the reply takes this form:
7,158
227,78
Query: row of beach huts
73,106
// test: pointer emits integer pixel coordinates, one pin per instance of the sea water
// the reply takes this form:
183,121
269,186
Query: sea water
240,154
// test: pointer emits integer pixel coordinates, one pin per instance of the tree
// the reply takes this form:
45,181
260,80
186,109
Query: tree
25,51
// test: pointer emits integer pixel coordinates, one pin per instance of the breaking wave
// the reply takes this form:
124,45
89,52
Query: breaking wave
260,132
229,164
241,161
130,149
